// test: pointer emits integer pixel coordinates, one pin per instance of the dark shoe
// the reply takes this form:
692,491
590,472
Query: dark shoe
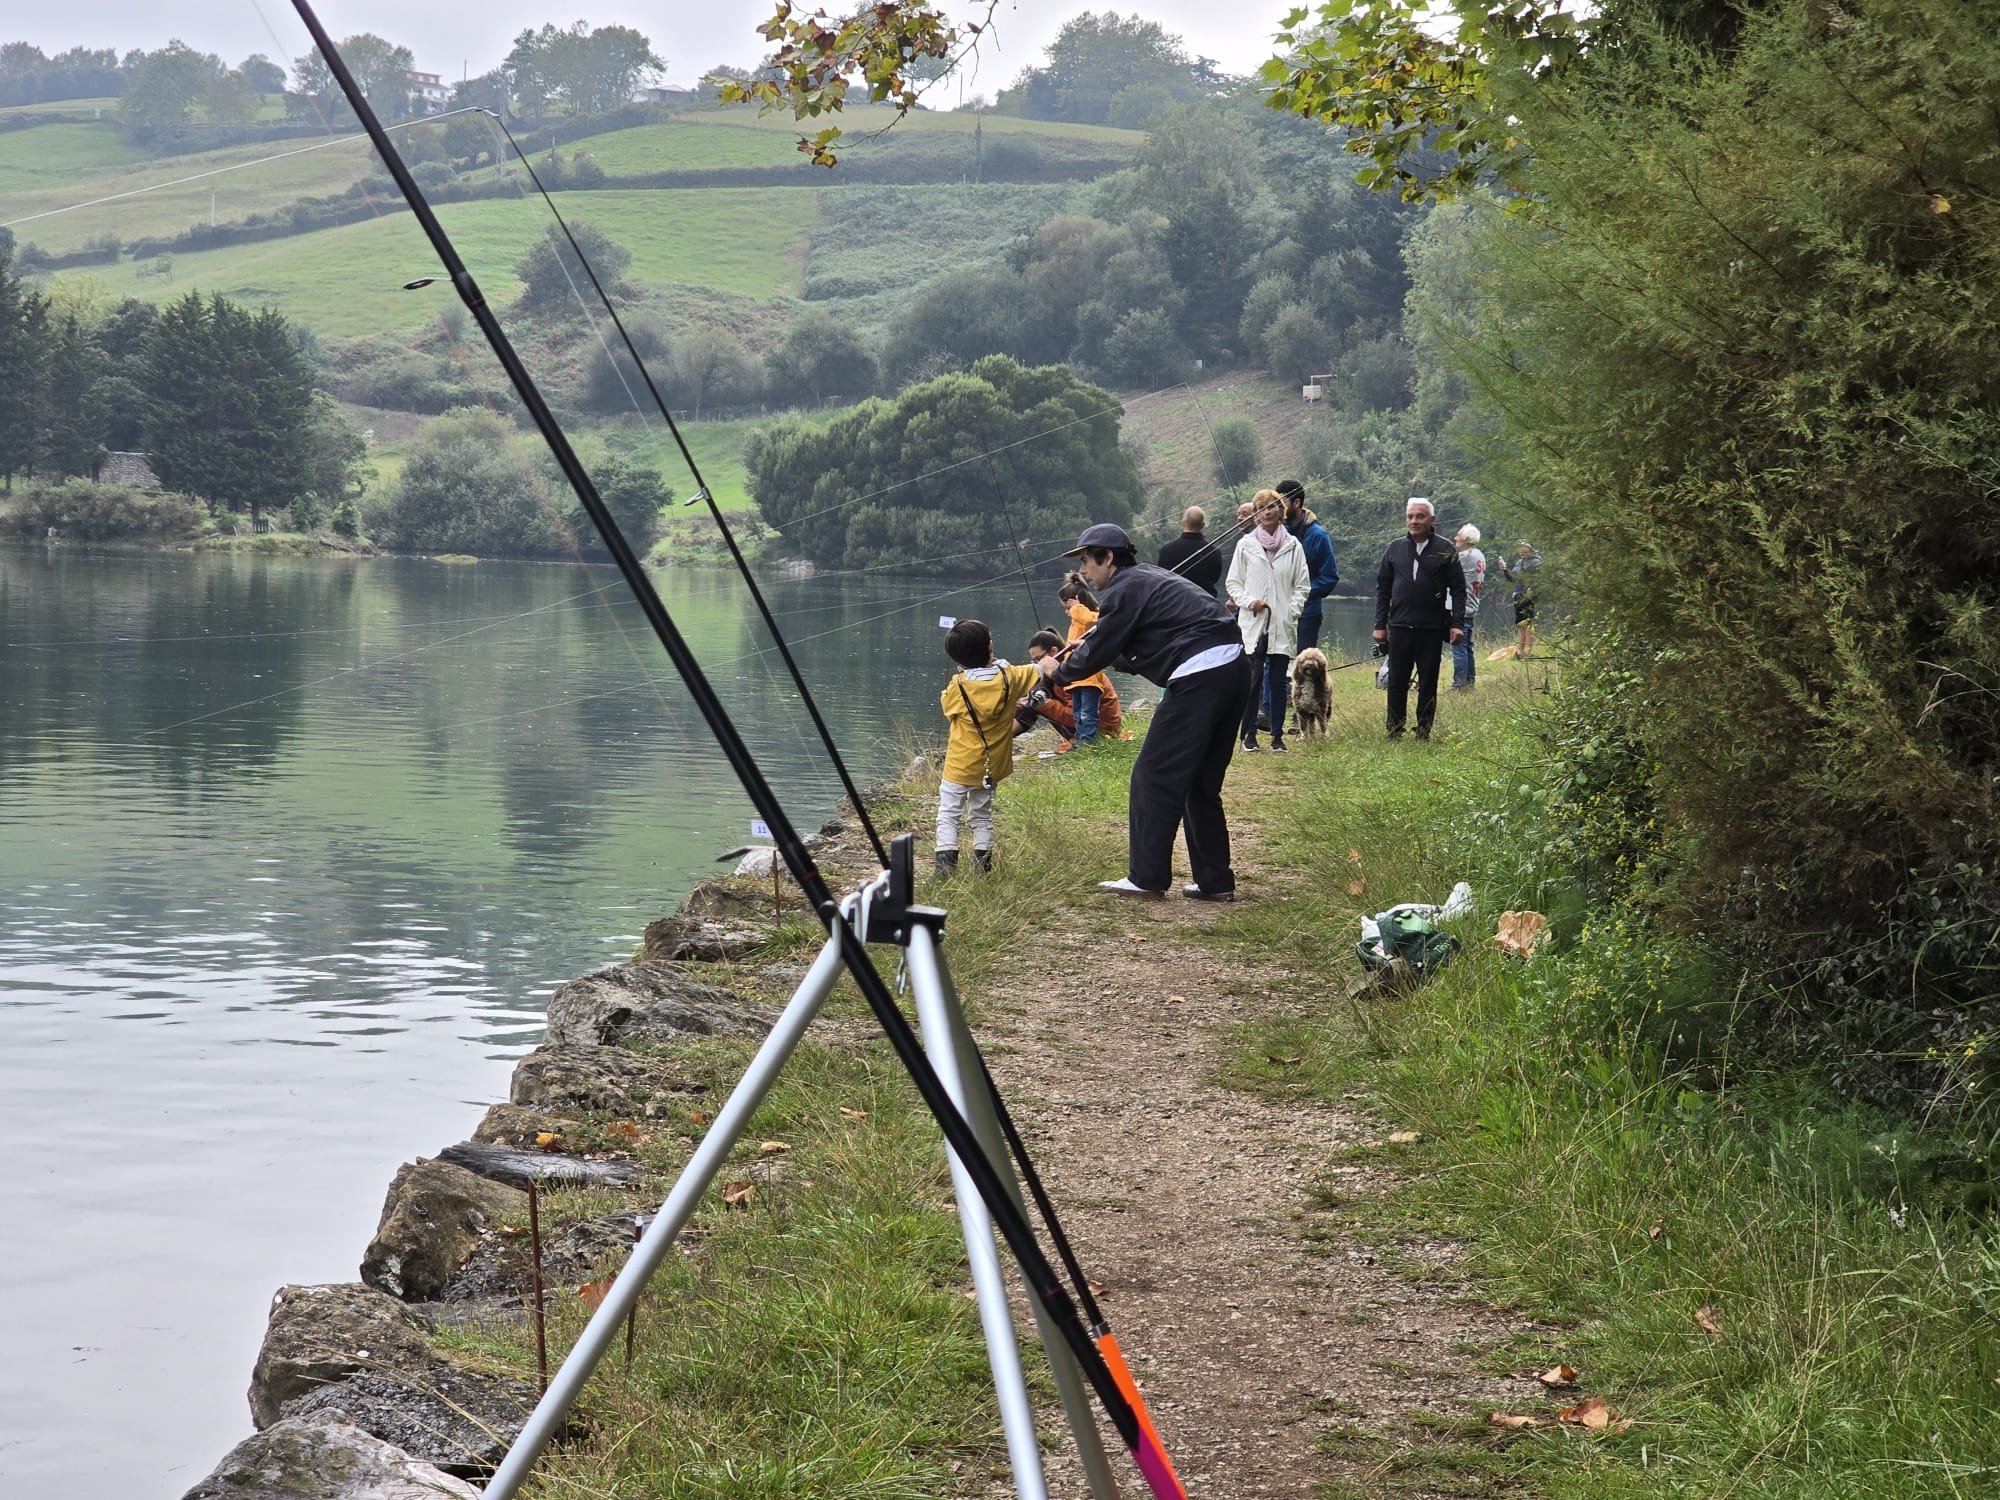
1124,887
1250,746
1264,722
1277,745
947,861
984,859
1424,735
1195,893
1395,734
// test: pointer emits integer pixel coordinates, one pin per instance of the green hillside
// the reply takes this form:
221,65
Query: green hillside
346,282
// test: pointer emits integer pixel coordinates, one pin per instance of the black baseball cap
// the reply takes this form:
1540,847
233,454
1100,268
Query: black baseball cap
1104,535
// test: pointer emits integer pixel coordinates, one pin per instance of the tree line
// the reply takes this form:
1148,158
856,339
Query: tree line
219,398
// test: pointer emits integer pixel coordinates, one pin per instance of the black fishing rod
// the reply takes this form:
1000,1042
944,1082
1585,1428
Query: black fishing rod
1036,1272
703,492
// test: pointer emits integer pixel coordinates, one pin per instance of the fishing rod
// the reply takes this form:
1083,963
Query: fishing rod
703,492
1036,1272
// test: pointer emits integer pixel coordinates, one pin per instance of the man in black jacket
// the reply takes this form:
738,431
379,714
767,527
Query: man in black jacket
1191,554
1419,603
1167,630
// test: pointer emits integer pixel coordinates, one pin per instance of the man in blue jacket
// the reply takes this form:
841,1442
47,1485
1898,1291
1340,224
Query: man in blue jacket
1318,546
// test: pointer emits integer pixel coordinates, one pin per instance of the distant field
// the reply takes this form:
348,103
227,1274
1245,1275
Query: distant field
681,147
51,157
346,282
861,120
60,107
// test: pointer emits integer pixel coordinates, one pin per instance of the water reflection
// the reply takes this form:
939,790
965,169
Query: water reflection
292,853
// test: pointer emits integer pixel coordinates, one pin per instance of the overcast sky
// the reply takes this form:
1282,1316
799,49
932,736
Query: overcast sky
453,36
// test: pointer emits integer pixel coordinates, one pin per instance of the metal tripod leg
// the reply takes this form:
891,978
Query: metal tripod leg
977,1104
652,1248
996,1316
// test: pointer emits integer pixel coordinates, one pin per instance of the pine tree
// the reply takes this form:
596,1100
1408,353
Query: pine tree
73,415
19,373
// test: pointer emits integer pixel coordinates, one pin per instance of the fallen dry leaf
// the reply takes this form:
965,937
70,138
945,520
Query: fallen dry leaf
1405,1138
853,1114
1560,1375
1354,856
1655,1229
1177,999
738,1193
697,1117
627,1130
1509,1420
771,1148
1097,1288
1709,1320
1940,204
1595,1414
1285,1061
1520,932
548,1140
1357,887
593,1292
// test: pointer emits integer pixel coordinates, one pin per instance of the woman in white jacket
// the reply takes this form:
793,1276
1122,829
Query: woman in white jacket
1268,583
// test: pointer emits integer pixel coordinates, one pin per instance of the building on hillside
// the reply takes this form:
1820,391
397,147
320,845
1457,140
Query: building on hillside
429,93
664,93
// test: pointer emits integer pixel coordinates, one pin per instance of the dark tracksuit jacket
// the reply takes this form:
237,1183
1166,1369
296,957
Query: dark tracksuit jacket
1419,599
1150,621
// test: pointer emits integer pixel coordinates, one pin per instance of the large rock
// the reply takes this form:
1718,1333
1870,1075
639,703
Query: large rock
321,1335
606,1078
320,1458
461,1421
688,938
647,1002
497,1279
512,1125
516,1169
432,1221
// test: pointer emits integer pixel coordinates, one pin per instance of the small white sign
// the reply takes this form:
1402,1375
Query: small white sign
945,622
759,829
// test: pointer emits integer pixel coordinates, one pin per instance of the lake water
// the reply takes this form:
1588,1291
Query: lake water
291,854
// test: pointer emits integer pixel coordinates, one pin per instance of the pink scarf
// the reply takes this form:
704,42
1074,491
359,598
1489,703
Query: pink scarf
1270,541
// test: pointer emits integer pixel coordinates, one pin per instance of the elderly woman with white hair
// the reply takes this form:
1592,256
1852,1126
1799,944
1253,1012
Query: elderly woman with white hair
1472,563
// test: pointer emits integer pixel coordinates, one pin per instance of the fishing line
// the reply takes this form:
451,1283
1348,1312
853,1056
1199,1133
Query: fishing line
703,492
1035,1269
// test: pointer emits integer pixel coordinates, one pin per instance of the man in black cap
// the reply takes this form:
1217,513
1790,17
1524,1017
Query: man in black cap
1167,630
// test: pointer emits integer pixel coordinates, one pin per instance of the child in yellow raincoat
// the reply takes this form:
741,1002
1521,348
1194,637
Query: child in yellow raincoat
978,706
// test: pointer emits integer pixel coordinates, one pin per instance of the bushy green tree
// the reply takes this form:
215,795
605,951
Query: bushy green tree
160,97
1144,350
1101,66
951,474
549,270
227,403
468,487
820,357
634,495
1239,450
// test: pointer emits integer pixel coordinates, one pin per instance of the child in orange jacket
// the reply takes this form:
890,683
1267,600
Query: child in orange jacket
1094,699
978,705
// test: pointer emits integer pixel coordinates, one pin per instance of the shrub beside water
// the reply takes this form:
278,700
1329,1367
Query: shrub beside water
79,510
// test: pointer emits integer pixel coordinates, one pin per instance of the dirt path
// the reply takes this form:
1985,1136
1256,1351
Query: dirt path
1189,1202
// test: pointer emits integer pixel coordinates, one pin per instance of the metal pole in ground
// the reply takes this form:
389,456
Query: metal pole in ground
996,1316
730,1121
985,1123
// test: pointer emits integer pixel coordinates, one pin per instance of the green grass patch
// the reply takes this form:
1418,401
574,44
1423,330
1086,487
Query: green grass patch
678,146
859,121
51,155
1612,1172
347,282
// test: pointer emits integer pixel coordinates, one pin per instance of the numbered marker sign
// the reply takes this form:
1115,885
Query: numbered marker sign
945,622
759,829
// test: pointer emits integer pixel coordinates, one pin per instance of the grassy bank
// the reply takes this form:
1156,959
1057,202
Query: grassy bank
1768,1283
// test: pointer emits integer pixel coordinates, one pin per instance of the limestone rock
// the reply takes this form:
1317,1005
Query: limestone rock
700,939
459,1420
713,898
647,1001
497,1278
319,1335
514,1125
319,1458
516,1169
607,1078
431,1222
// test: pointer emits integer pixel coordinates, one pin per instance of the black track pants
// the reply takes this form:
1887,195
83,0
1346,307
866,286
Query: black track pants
1177,779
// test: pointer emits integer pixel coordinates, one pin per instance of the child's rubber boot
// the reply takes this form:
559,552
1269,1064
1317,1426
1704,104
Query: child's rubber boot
984,859
947,861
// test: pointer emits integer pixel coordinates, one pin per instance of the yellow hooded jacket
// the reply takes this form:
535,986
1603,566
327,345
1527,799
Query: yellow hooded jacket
993,692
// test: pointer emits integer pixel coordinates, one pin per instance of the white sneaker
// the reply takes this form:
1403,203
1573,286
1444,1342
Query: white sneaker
1124,887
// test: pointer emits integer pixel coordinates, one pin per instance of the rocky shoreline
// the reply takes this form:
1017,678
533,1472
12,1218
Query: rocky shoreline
354,1395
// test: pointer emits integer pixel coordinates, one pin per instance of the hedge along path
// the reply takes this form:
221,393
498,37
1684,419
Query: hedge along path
1252,1329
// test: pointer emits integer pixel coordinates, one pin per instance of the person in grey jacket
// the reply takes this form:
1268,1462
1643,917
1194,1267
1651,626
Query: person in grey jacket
1167,630
1419,604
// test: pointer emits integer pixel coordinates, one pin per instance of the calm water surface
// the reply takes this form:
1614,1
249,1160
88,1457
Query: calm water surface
291,854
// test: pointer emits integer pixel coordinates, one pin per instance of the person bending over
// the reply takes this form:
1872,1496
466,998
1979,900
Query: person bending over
1164,628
